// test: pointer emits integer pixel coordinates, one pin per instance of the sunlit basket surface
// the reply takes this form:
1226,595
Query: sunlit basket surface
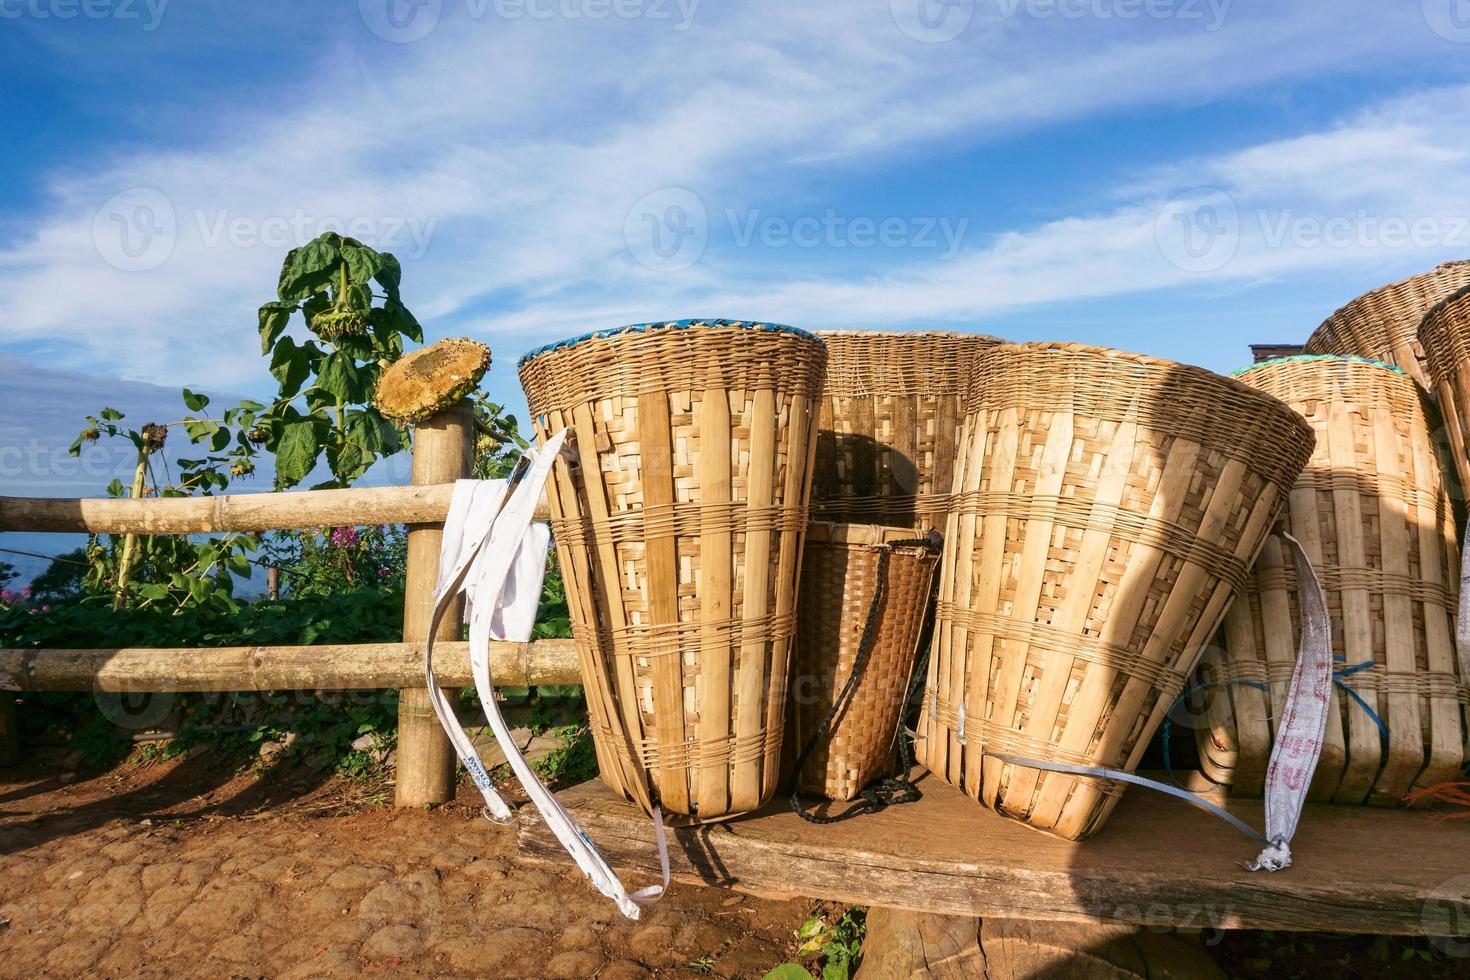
1373,512
891,412
1107,508
679,522
839,574
1382,324
1444,335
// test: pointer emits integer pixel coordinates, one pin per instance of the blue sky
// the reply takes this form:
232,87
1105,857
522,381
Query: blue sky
1179,177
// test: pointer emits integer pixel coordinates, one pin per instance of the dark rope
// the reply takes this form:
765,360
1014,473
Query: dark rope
891,790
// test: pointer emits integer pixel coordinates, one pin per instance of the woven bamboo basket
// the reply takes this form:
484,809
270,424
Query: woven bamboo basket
1383,324
1107,509
891,412
1444,335
1373,512
679,522
840,571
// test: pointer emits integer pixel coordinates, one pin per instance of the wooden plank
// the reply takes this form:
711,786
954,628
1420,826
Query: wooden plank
1158,862
231,512
339,667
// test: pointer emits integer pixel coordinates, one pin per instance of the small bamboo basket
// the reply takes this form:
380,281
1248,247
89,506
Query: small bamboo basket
679,521
1383,324
1374,514
1107,507
840,572
891,412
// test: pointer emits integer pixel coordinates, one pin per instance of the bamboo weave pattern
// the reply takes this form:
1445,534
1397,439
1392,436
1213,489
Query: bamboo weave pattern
679,523
1108,504
891,412
838,578
1374,515
1382,324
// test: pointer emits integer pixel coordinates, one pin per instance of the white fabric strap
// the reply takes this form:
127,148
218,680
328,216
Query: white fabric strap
1303,723
1298,736
497,557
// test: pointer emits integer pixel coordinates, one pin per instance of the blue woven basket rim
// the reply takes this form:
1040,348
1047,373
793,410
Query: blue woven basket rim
1354,358
666,325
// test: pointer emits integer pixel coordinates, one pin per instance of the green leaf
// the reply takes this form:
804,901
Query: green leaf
309,269
291,365
220,440
296,452
788,971
194,401
390,275
404,321
273,319
835,969
341,377
111,414
363,263
115,489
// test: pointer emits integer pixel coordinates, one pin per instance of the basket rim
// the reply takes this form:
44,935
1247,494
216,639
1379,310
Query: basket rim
1396,284
1345,358
1432,314
664,325
846,333
1202,374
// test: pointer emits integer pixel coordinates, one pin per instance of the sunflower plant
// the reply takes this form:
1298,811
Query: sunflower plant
347,297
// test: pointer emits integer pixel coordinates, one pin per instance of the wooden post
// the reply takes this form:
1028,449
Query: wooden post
272,583
443,451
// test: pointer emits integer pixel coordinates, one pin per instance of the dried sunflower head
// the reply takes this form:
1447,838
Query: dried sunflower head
336,323
258,435
153,437
90,435
426,382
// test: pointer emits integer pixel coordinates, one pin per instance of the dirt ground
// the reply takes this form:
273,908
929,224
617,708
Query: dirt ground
195,868
156,871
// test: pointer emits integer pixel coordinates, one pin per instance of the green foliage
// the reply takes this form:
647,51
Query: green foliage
340,559
62,580
837,947
574,761
7,572
333,283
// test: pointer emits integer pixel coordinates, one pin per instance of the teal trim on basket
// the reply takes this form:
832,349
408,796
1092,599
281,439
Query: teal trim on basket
1319,357
666,325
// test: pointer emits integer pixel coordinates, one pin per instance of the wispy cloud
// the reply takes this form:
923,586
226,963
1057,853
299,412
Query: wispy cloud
503,155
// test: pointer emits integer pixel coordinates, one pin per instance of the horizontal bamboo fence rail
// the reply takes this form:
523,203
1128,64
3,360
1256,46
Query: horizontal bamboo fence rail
230,512
341,667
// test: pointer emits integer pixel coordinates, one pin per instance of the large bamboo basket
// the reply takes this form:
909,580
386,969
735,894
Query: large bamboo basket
1445,336
891,412
1373,512
1107,508
1383,324
840,572
679,524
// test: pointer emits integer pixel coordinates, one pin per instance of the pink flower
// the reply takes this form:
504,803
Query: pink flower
344,537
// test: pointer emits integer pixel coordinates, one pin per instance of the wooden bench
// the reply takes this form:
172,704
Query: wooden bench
1158,862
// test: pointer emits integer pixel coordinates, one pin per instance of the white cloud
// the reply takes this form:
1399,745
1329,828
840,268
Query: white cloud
518,147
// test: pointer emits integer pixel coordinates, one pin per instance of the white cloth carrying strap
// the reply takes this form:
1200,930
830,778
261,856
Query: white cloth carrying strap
497,558
1299,734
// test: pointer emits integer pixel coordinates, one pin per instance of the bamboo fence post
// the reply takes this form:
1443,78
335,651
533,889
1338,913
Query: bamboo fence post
130,541
443,451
